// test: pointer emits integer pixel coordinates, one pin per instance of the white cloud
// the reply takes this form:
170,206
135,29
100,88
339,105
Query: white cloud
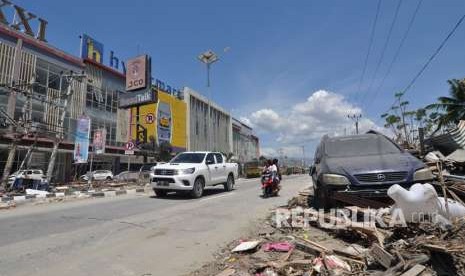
322,113
288,151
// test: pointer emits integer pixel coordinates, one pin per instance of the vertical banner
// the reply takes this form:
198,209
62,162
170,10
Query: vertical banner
100,137
81,142
164,123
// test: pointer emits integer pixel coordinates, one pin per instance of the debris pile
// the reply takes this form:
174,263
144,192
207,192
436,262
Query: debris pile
333,244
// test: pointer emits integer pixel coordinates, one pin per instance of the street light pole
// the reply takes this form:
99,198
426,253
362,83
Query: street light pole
208,58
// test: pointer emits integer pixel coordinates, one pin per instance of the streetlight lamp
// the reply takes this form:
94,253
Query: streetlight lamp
208,58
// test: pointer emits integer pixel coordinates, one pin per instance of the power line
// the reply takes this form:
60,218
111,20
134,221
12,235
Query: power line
383,52
431,58
370,44
434,54
396,55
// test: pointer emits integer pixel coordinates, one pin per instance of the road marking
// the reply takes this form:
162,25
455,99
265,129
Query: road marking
218,196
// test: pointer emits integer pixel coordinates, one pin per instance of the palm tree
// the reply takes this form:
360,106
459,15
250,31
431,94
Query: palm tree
453,107
392,121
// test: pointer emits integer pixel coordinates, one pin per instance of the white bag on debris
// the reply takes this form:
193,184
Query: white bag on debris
36,192
422,201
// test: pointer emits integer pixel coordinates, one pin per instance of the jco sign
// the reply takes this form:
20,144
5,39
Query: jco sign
22,20
138,73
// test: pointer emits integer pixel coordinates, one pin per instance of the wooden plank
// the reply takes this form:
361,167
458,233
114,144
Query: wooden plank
415,270
381,256
227,272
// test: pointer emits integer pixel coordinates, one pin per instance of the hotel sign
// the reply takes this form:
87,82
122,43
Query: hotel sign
22,20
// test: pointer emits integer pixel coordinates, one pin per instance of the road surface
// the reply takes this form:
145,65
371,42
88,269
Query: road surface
131,235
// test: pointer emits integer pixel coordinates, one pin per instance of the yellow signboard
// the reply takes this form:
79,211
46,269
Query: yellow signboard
165,121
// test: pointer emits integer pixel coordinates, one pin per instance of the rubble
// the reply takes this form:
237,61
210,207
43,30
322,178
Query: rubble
352,248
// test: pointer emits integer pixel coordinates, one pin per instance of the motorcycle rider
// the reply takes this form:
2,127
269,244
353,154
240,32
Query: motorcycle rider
267,174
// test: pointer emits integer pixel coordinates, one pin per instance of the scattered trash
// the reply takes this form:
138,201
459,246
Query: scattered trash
277,246
354,246
36,192
246,246
423,201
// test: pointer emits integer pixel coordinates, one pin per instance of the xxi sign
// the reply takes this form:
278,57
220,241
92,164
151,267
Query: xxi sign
22,20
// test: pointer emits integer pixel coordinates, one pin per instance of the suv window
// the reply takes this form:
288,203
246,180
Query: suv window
210,157
219,158
360,146
37,172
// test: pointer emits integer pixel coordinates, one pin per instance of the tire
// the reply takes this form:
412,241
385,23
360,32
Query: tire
229,185
199,185
159,193
108,178
321,198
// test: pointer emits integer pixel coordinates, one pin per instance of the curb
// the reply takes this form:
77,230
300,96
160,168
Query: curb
31,198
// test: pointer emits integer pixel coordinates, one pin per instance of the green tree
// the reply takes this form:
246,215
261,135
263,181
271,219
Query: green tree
452,107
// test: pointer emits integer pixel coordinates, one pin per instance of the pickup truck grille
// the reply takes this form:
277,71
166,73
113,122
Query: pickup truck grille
165,172
381,177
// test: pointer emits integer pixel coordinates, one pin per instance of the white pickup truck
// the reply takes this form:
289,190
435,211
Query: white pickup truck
192,172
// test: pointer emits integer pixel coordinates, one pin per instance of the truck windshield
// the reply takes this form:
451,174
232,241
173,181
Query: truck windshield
188,158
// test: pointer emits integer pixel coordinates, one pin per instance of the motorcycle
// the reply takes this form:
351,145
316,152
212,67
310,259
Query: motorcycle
270,185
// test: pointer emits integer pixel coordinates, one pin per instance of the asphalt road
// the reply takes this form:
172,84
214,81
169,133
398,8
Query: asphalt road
133,234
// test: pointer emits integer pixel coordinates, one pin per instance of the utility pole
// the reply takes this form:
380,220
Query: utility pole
208,58
303,156
355,118
60,131
18,128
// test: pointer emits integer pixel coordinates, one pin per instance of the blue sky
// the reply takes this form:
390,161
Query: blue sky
281,53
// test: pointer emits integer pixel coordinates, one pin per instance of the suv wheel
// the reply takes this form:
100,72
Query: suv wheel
197,191
159,193
321,198
108,178
229,185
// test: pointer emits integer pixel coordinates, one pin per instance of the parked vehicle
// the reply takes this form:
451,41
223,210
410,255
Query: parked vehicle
98,175
27,174
193,171
147,167
127,176
145,170
362,165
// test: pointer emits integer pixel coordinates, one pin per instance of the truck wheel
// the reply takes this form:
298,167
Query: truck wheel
229,185
321,198
159,193
197,191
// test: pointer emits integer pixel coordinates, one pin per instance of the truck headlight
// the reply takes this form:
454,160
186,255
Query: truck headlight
187,171
423,174
335,179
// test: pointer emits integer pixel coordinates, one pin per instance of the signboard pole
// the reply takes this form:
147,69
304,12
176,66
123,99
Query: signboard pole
129,162
89,179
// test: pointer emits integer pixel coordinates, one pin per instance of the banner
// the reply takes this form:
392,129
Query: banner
100,138
81,142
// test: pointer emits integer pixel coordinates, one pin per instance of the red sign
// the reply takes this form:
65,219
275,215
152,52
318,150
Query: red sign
149,118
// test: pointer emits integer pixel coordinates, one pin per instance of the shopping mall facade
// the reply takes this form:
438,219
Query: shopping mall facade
182,118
